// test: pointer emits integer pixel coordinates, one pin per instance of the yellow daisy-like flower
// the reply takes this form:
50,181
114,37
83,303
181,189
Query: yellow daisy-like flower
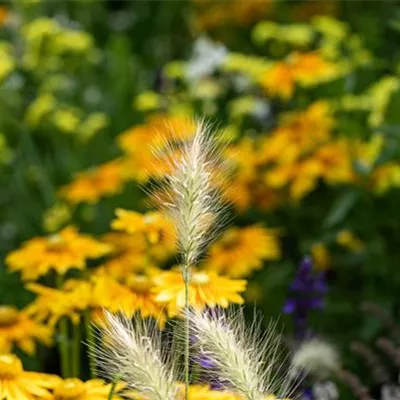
279,81
206,288
100,291
53,304
155,227
75,389
204,392
134,295
59,252
16,328
240,251
17,384
130,254
90,186
310,68
139,143
385,177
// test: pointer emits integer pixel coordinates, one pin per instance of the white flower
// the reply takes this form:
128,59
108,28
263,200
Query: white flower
207,57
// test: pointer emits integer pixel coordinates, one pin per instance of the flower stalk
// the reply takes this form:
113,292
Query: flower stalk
191,196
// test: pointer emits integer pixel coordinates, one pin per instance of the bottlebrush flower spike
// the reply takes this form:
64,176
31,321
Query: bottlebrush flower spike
242,358
132,352
191,190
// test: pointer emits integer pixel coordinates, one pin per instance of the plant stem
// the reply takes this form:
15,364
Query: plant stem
90,337
76,351
63,347
112,390
63,337
186,278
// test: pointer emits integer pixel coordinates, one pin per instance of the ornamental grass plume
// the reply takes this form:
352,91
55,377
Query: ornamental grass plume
191,191
133,353
190,194
244,359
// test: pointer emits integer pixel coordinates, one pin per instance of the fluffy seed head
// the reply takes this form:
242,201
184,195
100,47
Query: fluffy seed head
316,357
132,352
190,192
245,358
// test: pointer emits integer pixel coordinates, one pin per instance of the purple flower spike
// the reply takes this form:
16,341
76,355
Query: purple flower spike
307,292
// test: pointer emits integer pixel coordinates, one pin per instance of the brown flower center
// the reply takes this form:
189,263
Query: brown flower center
139,283
55,243
8,315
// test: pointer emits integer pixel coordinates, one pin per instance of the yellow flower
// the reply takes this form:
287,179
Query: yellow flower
336,161
66,119
321,256
130,254
250,66
7,61
91,186
367,153
16,328
279,81
298,134
303,68
348,240
17,384
310,68
147,101
55,217
385,177
141,285
294,34
92,125
154,226
240,251
52,304
59,252
206,289
75,389
100,291
139,142
204,392
380,94
39,109
72,41
131,294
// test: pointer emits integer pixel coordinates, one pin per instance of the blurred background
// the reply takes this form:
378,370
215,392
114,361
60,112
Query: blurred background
307,93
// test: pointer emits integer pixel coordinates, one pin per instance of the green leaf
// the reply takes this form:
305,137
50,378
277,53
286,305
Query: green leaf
341,208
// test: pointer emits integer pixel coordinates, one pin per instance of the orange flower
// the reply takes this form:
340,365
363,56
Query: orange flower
90,186
279,81
206,289
17,328
4,14
240,251
59,252
310,68
140,142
